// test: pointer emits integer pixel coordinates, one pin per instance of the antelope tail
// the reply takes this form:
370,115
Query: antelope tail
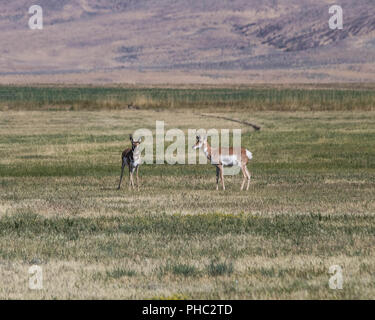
249,154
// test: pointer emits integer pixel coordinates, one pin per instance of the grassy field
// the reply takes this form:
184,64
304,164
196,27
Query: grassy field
310,204
256,98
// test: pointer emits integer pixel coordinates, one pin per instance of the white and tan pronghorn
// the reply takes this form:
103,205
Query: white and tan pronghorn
226,157
131,157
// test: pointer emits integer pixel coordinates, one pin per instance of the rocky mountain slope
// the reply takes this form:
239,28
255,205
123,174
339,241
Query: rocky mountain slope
168,41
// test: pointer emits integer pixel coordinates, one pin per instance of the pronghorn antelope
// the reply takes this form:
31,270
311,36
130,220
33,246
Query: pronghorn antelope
131,157
226,157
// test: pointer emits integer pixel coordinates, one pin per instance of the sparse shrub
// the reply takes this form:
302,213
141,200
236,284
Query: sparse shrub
185,270
181,269
119,273
217,268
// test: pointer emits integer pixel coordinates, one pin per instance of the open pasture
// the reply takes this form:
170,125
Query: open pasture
310,205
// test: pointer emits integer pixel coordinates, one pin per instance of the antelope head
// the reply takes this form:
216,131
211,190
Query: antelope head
135,143
199,142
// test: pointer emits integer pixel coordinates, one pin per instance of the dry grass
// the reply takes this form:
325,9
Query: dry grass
310,205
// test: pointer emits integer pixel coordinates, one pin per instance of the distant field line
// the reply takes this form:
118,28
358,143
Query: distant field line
256,127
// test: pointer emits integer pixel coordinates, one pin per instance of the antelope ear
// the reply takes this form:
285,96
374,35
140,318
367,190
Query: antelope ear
197,137
131,137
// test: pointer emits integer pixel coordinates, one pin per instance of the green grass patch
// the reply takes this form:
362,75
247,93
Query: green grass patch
180,269
220,268
93,98
292,227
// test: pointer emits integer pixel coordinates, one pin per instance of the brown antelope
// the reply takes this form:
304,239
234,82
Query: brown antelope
131,157
226,157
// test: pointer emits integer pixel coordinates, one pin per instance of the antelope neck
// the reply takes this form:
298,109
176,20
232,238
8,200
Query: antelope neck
207,149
